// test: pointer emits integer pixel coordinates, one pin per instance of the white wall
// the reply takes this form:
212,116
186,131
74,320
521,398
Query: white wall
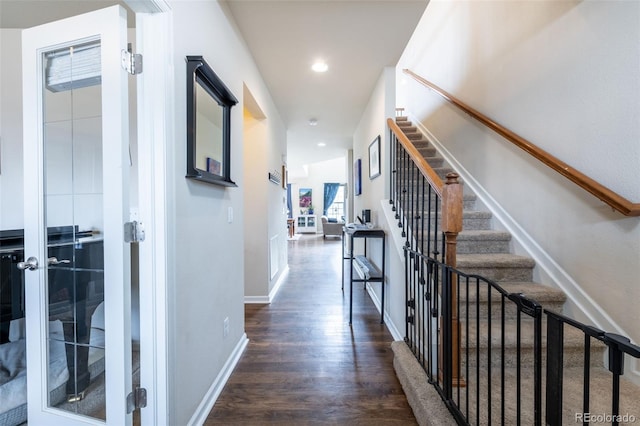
11,180
565,76
375,193
206,271
329,171
256,266
265,202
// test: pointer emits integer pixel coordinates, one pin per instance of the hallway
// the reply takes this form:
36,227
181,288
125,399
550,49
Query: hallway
304,364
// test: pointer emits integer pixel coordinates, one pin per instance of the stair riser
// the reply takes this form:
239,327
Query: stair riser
471,224
476,246
422,143
467,204
429,155
500,274
510,312
406,172
573,357
476,224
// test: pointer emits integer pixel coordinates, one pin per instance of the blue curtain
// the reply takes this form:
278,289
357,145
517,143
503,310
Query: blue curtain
289,207
330,192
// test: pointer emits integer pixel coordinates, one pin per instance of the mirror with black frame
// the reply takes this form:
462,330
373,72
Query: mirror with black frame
209,105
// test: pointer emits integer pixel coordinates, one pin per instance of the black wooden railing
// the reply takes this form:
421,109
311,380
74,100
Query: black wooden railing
480,345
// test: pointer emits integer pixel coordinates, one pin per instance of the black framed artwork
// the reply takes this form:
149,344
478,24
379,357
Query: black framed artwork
374,158
357,176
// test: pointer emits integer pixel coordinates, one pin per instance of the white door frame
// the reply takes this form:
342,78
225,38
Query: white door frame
154,40
98,25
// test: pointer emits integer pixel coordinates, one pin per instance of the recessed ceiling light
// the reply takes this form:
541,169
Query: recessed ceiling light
322,144
313,122
320,66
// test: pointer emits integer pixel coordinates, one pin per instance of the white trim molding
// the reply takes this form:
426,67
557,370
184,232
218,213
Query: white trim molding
265,300
154,35
210,398
387,319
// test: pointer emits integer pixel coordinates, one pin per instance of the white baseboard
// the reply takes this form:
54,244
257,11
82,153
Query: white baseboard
387,319
258,300
265,300
205,407
278,284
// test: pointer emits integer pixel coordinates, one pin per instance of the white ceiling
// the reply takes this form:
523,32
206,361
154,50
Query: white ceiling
357,39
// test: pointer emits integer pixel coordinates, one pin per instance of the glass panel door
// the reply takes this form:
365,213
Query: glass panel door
73,200
76,203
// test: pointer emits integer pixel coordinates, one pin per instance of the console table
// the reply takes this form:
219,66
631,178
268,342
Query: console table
365,268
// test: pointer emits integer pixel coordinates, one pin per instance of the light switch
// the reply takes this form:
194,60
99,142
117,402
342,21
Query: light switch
230,215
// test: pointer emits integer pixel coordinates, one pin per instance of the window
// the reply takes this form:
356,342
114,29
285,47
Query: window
336,209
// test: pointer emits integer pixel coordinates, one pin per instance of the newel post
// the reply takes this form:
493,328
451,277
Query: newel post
452,206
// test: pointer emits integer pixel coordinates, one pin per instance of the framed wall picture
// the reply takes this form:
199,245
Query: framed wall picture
305,201
357,177
284,177
374,158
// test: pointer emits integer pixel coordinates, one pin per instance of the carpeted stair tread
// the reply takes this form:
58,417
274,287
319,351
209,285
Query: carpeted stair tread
483,235
573,338
423,143
477,241
495,260
471,220
539,292
497,267
468,200
480,301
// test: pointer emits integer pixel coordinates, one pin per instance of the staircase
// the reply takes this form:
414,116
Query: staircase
485,251
482,250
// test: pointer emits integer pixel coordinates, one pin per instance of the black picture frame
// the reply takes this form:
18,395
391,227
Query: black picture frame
374,158
204,163
357,176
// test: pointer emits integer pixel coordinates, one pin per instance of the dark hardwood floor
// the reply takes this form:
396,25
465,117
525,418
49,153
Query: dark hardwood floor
304,364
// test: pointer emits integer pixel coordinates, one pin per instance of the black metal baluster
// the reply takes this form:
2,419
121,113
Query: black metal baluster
406,298
587,373
537,363
490,354
392,169
466,336
518,367
555,354
478,346
502,361
446,331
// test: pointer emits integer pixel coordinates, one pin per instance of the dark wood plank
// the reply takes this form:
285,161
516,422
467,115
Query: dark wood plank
304,364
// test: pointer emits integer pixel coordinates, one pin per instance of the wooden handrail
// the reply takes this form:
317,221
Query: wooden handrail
418,159
614,200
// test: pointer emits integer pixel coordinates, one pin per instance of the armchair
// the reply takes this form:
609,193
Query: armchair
331,229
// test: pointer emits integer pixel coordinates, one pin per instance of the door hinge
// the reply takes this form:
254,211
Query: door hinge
136,399
133,232
131,62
